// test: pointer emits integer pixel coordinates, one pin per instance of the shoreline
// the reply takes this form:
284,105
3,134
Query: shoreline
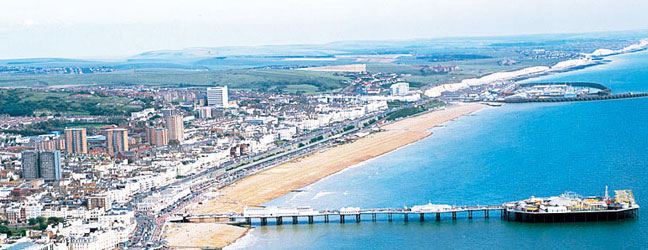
282,179
599,57
229,198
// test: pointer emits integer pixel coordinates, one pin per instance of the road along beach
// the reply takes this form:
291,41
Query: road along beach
285,178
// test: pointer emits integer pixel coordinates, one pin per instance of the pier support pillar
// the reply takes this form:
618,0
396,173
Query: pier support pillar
357,218
248,221
295,220
310,219
373,217
486,214
454,215
438,216
422,217
469,214
264,221
389,217
341,218
405,217
279,220
326,220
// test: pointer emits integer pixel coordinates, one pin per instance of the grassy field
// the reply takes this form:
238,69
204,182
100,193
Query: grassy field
414,110
292,80
469,69
20,102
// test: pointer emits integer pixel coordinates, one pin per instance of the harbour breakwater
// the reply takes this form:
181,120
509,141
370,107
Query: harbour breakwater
577,99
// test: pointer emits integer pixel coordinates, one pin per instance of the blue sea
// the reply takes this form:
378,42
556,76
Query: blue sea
490,157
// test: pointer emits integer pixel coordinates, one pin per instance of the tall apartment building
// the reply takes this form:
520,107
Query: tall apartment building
217,97
50,165
399,89
205,112
76,141
116,140
175,126
30,164
157,136
42,164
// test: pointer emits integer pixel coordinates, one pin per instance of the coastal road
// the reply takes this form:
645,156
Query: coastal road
150,226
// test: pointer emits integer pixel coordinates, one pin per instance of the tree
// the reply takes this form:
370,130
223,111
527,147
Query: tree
40,220
5,230
32,222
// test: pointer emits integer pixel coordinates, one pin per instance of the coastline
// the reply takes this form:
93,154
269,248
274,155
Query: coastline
593,59
280,180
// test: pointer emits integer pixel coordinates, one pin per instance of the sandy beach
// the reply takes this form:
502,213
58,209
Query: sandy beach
281,180
202,235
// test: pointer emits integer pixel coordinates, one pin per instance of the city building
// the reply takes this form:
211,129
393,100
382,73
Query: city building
76,141
102,201
204,112
401,88
30,165
217,97
157,136
116,140
175,126
42,164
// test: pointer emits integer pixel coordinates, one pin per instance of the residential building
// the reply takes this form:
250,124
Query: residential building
175,126
401,88
204,112
42,164
116,140
102,201
50,165
76,141
157,136
30,165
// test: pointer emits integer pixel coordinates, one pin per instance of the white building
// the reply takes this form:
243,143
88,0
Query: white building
204,113
286,133
159,201
400,88
142,114
98,240
217,97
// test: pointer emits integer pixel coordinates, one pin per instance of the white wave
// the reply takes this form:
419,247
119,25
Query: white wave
320,194
246,242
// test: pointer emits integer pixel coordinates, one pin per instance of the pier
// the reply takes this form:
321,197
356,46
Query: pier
568,207
407,215
345,215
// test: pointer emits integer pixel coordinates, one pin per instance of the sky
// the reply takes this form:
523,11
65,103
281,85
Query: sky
118,28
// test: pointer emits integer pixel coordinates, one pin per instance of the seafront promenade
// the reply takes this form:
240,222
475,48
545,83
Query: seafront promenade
280,180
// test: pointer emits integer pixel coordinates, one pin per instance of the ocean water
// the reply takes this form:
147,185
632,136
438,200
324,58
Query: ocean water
493,156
